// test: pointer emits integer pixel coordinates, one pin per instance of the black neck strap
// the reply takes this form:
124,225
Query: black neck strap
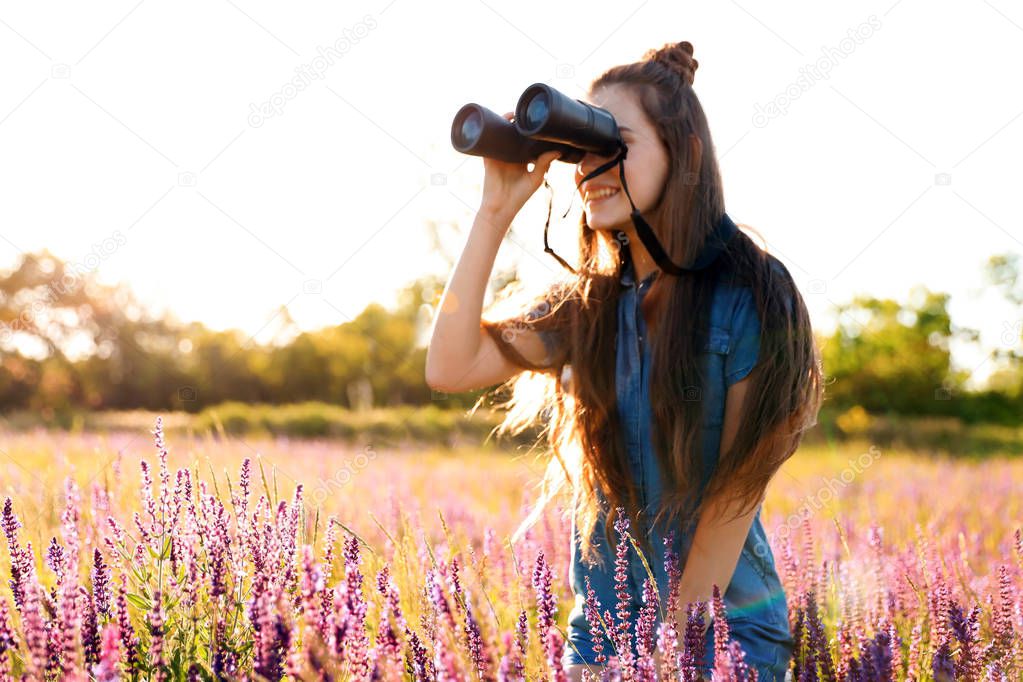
712,248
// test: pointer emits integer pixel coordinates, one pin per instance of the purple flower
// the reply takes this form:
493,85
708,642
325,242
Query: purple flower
22,564
129,640
623,639
730,663
721,631
694,644
511,668
90,630
10,522
328,552
100,584
219,539
147,498
34,627
942,666
8,641
455,582
474,643
225,663
107,668
647,619
165,487
965,628
312,586
546,605
389,644
876,657
157,619
355,643
271,635
436,599
522,634
592,612
70,613
556,647
1001,620
916,645
243,483
819,651
55,559
421,669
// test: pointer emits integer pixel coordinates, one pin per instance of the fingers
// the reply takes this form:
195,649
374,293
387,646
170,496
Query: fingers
544,161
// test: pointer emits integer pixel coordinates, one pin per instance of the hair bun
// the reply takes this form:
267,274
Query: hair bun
678,57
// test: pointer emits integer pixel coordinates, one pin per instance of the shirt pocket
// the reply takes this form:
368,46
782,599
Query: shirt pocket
713,354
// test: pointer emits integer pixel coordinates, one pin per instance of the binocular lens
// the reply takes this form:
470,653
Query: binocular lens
537,110
544,113
468,131
479,131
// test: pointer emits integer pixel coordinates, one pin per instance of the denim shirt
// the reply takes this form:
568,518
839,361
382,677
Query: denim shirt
755,601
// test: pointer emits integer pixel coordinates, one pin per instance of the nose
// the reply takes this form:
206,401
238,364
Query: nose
588,164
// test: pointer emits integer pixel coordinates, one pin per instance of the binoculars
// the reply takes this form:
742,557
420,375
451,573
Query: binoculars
545,120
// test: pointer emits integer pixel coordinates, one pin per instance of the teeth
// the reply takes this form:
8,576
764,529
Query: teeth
600,193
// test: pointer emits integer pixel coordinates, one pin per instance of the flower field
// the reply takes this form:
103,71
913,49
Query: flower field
128,557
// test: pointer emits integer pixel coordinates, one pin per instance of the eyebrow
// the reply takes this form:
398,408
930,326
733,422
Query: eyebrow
625,129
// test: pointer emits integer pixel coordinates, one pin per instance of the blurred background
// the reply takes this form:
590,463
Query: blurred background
215,208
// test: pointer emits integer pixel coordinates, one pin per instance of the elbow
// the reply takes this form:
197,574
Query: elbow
430,371
430,375
433,382
436,380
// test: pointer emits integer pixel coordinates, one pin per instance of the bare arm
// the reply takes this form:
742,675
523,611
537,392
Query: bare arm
461,355
717,544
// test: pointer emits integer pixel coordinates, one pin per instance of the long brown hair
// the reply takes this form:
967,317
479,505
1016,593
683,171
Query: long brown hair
582,425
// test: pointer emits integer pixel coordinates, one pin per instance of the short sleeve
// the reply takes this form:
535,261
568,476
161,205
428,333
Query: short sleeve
745,334
551,339
550,343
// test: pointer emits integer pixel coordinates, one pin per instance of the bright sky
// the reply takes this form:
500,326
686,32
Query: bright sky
130,141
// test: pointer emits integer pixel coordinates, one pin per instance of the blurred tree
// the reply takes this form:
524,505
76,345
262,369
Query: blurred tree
59,315
68,341
887,357
1002,271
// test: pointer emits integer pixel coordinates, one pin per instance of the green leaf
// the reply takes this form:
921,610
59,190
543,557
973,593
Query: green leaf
139,575
139,602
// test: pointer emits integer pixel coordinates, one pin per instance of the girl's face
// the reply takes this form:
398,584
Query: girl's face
646,165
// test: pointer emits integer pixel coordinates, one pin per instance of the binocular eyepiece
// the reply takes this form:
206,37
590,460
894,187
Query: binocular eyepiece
545,120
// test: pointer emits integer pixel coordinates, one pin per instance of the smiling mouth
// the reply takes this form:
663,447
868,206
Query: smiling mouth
601,196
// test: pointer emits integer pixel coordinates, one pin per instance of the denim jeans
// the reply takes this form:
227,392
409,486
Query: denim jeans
755,601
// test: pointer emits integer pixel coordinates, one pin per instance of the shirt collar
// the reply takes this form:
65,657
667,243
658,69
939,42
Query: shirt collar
628,277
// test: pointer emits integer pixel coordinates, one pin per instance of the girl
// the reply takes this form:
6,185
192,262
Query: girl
673,397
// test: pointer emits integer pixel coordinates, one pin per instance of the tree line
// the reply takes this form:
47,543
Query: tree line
69,342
